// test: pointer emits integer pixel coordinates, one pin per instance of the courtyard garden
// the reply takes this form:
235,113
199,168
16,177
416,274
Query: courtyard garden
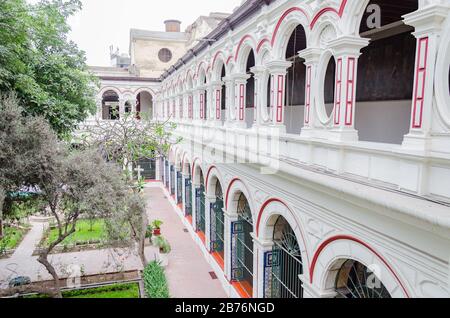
87,233
114,291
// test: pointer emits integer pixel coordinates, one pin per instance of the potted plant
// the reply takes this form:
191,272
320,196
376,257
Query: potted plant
164,250
156,225
149,234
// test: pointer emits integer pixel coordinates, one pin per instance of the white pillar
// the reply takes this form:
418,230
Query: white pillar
347,50
278,70
228,220
240,87
260,250
311,57
230,113
428,24
311,291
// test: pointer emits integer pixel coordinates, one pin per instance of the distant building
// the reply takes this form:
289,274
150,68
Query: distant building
131,82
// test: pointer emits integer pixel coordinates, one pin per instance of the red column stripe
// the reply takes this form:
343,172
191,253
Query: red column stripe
241,101
338,88
421,74
280,98
308,94
350,91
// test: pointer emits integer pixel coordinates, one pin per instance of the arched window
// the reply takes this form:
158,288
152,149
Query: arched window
224,94
144,105
295,82
250,91
386,74
286,262
110,106
218,226
242,247
354,280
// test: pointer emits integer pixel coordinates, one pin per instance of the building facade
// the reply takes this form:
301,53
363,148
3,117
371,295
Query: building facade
315,159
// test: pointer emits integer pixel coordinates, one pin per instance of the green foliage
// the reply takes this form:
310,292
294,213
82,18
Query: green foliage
156,224
11,239
38,62
149,232
163,244
155,281
86,232
115,291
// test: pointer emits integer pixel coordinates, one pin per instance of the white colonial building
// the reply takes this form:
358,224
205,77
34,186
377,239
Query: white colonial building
315,159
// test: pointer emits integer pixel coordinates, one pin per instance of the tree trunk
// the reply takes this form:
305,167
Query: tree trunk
49,267
141,243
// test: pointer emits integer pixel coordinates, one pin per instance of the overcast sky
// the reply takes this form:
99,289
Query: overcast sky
108,22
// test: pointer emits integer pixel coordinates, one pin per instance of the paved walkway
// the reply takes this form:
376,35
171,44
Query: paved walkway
188,271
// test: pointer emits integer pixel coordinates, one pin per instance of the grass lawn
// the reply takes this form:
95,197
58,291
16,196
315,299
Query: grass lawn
12,237
86,232
129,290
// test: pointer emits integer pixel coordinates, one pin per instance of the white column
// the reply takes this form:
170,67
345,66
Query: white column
311,291
260,248
209,199
428,24
311,57
228,220
347,50
278,71
230,113
240,87
216,106
260,73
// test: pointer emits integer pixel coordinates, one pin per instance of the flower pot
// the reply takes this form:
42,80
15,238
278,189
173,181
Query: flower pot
157,232
163,259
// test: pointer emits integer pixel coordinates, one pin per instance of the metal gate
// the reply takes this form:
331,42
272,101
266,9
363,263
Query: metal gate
161,169
242,247
188,197
285,264
200,208
217,227
166,175
179,187
172,180
148,168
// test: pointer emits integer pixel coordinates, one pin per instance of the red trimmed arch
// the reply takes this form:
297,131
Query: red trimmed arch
261,43
245,37
339,13
358,241
261,211
285,14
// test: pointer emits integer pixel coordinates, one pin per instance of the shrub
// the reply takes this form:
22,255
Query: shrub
155,282
163,245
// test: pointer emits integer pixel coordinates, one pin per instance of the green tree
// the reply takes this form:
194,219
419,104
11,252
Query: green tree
46,70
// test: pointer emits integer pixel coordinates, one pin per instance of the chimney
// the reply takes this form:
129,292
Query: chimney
172,25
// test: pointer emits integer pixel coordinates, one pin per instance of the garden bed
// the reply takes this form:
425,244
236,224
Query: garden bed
112,291
86,281
13,236
89,235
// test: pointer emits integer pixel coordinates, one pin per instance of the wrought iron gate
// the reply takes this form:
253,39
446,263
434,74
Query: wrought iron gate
188,197
166,175
217,227
148,167
172,180
242,247
284,264
179,187
200,208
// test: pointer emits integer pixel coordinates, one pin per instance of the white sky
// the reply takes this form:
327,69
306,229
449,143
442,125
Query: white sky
102,23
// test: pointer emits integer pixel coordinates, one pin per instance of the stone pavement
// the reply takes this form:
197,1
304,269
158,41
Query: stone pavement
188,271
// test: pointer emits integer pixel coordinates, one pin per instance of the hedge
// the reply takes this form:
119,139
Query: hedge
155,281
